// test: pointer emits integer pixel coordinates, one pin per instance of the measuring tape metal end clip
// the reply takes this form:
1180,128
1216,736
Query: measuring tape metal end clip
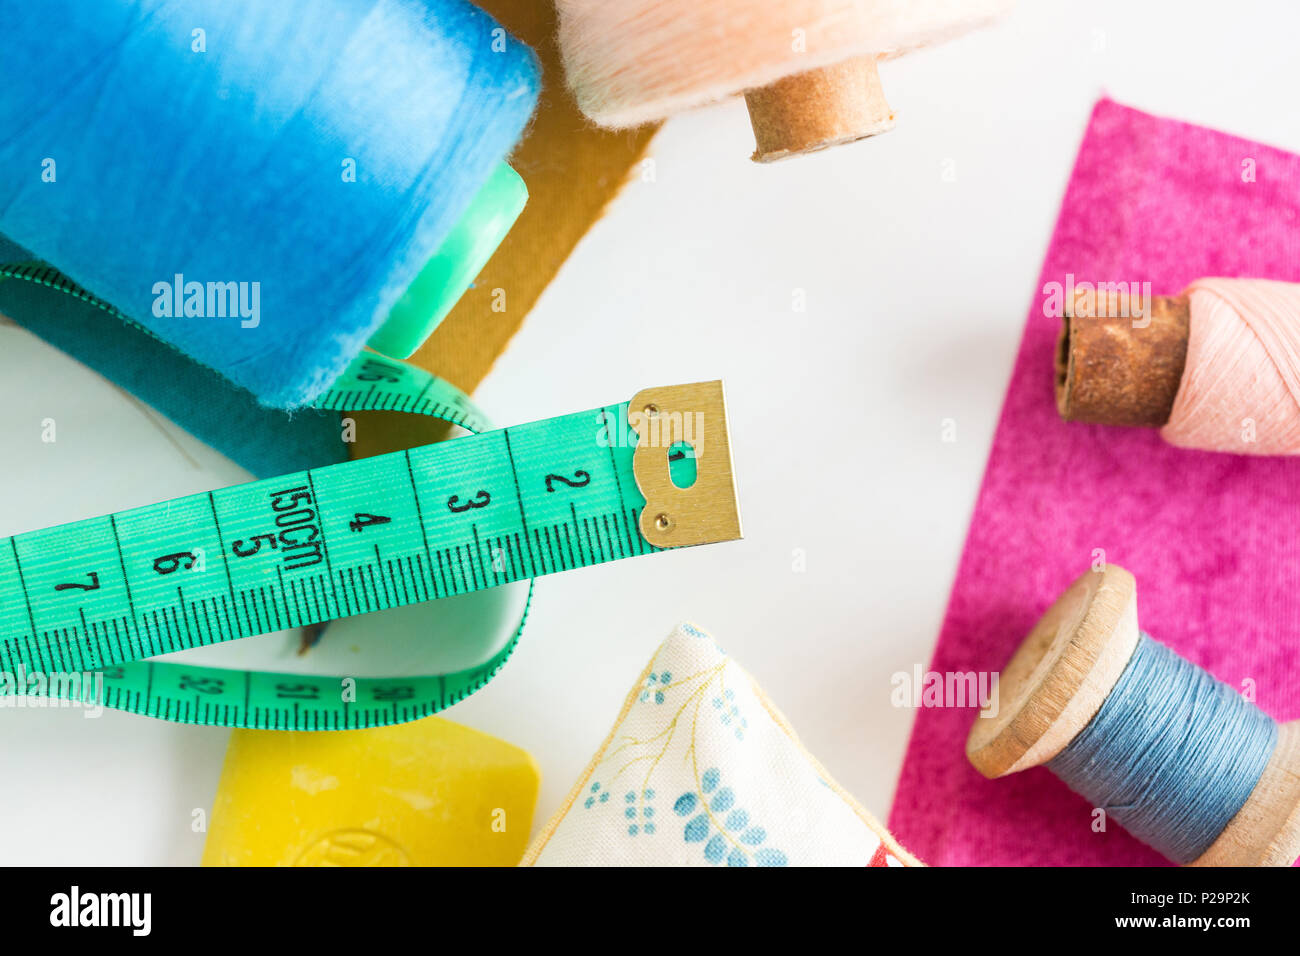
694,415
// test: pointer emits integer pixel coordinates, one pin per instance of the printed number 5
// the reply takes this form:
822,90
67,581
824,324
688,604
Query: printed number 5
242,550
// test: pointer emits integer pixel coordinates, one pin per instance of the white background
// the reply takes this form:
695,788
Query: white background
916,289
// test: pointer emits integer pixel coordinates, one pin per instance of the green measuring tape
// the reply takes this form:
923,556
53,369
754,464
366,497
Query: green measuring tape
85,606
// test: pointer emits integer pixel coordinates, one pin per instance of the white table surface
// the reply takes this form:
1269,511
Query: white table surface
917,253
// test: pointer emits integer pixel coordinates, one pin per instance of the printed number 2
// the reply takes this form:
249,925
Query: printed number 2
580,479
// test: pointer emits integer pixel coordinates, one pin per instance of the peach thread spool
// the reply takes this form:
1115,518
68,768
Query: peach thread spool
1215,368
1058,688
807,68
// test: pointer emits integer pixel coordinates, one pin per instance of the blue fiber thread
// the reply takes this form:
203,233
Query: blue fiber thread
266,441
227,165
1171,755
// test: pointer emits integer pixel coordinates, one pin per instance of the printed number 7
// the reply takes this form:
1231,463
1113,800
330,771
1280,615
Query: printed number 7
92,586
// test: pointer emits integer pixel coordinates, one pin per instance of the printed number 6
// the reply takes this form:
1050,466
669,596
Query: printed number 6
172,562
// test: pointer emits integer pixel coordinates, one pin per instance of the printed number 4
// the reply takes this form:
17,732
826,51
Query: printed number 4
363,520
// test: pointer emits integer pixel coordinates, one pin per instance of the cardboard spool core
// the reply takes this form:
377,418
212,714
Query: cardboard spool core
1058,679
1121,367
818,109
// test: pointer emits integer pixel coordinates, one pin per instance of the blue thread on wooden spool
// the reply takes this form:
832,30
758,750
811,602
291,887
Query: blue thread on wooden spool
1172,754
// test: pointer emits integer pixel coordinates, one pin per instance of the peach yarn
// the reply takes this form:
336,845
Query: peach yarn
636,61
1240,391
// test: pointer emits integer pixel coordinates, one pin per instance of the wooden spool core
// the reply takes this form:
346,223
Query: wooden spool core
826,107
1110,372
1058,679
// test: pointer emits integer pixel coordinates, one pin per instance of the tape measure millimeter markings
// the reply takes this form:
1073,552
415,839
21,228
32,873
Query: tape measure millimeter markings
99,596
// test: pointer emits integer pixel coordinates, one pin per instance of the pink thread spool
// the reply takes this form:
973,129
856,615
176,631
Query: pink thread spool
1216,368
807,68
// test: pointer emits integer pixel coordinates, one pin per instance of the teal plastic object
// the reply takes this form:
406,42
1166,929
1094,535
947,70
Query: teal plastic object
452,269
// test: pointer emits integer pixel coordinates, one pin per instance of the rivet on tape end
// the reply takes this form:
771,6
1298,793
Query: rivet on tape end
707,511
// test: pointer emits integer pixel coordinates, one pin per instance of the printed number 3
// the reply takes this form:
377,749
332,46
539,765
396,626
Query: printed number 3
481,500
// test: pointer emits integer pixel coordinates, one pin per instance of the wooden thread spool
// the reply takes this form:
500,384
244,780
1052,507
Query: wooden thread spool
1109,372
806,112
1057,681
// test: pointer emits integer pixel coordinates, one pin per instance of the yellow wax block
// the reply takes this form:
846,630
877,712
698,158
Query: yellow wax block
428,793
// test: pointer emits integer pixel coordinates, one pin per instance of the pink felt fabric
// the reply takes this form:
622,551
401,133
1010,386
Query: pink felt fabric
1213,539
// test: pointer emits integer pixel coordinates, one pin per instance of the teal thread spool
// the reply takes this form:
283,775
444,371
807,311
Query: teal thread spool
1200,776
461,256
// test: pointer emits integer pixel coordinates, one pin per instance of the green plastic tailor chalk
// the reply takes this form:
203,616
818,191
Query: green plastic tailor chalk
461,257
94,605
